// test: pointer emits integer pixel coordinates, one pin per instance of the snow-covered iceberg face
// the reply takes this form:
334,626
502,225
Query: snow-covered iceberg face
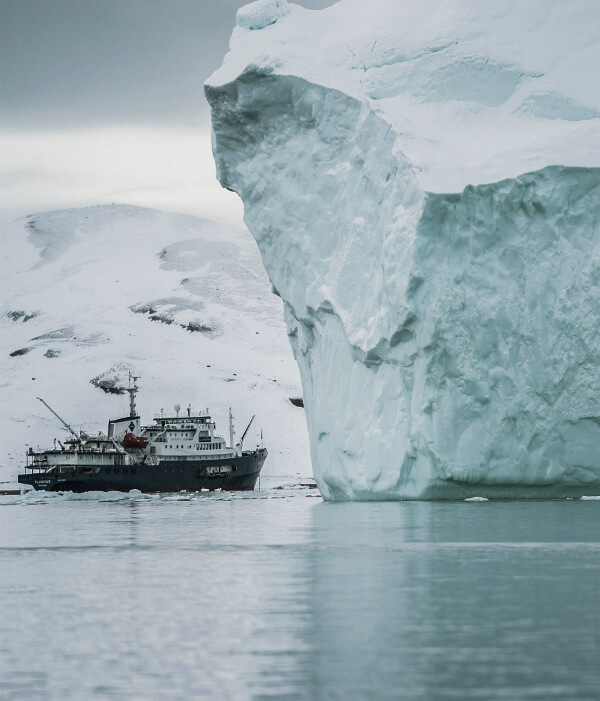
449,344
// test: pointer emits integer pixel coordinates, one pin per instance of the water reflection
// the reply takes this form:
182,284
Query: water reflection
427,601
280,596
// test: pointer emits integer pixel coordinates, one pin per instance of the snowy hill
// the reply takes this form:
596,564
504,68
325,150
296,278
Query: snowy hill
422,179
90,294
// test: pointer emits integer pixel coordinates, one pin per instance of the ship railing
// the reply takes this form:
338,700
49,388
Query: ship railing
182,417
37,467
76,450
48,467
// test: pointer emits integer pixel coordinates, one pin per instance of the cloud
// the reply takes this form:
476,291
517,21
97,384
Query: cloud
161,167
103,101
64,63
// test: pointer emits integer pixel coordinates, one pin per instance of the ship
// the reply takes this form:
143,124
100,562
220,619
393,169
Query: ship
179,451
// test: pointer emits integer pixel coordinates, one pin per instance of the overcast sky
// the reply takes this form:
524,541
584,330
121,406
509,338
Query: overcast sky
70,63
102,101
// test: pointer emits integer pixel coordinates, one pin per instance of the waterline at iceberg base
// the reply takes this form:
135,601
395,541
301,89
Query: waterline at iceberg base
449,344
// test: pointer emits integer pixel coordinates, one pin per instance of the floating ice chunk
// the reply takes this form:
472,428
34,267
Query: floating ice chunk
477,499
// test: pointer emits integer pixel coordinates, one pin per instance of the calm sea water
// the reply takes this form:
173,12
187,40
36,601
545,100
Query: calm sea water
277,595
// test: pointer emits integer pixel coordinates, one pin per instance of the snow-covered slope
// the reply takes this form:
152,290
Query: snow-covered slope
89,294
449,344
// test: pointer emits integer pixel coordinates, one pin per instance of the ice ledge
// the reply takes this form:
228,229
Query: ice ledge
260,14
476,91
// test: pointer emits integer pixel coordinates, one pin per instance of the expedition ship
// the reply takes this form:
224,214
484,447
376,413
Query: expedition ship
178,452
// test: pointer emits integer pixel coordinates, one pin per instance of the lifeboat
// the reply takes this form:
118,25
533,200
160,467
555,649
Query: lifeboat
130,440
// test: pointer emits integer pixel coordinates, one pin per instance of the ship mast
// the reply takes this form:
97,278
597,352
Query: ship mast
132,389
231,431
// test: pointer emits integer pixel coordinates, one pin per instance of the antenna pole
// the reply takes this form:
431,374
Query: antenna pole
231,431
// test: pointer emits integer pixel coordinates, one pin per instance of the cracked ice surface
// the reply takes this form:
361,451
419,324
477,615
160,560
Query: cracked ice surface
449,344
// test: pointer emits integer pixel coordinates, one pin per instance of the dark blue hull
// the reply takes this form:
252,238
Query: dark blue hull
238,473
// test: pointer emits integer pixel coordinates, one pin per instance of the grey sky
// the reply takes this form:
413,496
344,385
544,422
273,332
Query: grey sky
71,63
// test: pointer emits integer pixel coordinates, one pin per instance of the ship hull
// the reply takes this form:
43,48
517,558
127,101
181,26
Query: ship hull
238,473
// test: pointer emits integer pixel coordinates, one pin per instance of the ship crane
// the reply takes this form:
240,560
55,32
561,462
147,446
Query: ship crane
241,443
63,422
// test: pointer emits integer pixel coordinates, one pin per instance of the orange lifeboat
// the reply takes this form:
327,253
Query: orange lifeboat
130,440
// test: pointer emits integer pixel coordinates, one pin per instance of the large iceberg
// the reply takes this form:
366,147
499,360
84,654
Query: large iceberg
421,178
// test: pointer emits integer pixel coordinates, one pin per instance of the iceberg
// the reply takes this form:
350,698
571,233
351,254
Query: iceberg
422,181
